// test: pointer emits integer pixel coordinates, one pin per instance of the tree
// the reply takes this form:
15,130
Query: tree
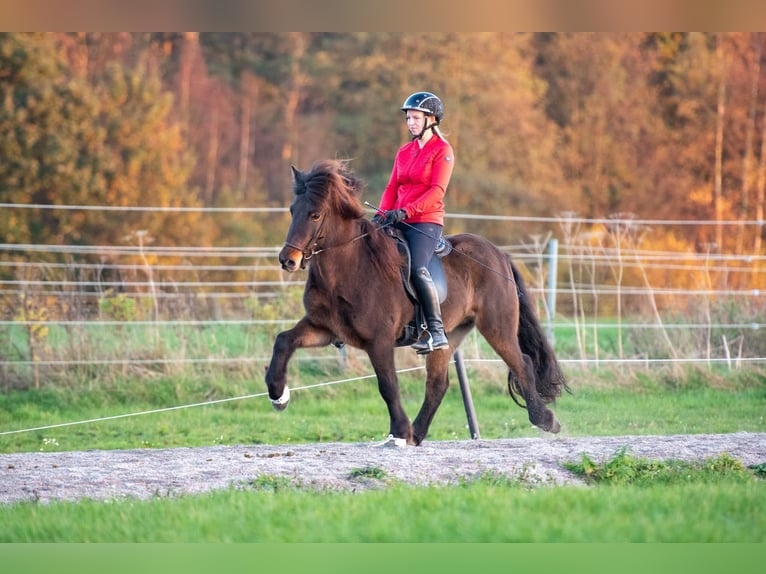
66,142
47,141
143,156
598,95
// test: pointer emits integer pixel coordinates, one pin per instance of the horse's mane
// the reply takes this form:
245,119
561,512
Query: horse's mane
332,183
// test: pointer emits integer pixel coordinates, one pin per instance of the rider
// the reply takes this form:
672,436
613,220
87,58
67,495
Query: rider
415,196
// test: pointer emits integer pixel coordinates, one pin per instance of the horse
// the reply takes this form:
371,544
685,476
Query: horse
354,294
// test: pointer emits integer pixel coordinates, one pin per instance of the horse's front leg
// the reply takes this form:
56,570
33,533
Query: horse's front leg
437,382
304,334
382,359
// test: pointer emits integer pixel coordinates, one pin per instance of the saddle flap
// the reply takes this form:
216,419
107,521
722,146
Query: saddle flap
434,267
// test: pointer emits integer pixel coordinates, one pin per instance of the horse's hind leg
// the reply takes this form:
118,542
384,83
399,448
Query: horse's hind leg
504,340
539,415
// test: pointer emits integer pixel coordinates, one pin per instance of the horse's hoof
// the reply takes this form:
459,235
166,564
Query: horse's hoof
392,442
550,424
281,403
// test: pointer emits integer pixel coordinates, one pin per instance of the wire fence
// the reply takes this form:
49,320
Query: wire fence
138,309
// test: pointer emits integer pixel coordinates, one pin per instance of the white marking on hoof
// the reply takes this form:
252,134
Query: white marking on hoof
283,400
392,442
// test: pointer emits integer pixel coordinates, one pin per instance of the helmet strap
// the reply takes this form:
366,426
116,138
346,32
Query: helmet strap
431,127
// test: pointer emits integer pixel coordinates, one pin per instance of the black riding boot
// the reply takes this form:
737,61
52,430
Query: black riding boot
429,300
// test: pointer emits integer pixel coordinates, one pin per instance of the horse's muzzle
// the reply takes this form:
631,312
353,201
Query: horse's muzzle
290,259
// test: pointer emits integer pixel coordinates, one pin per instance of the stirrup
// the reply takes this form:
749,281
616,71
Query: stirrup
425,346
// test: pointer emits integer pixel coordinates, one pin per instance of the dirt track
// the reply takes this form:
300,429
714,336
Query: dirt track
146,473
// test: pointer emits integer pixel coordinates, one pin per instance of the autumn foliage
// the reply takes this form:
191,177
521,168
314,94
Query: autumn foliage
658,125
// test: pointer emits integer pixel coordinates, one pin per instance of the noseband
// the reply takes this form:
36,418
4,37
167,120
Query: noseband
310,249
305,253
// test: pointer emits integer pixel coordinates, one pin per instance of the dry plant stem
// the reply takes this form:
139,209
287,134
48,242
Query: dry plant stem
708,318
571,230
726,351
618,276
594,294
583,337
653,303
30,339
585,271
150,276
739,351
538,248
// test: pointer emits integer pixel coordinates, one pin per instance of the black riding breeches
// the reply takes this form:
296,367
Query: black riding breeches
423,239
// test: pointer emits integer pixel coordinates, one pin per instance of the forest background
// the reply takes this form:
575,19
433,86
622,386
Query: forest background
147,154
654,125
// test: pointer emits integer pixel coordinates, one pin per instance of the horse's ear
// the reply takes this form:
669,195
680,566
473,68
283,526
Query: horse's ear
297,174
299,180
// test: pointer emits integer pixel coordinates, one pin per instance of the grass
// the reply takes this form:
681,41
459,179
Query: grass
373,472
630,500
707,504
625,469
354,411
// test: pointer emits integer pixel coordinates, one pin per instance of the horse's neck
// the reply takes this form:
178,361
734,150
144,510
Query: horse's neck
343,255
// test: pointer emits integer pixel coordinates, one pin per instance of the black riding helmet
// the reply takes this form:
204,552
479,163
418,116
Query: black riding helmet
425,102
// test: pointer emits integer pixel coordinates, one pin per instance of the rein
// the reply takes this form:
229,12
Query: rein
308,253
454,249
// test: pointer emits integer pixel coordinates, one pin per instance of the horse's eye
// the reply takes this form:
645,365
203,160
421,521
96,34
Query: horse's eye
314,216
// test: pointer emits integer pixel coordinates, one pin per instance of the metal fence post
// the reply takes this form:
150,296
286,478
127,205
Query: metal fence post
465,390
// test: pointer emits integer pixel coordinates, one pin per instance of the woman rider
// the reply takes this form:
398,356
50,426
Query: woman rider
413,201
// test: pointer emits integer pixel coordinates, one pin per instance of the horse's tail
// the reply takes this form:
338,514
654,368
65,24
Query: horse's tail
549,379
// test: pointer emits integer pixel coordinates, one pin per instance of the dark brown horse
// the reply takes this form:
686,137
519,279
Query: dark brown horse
354,294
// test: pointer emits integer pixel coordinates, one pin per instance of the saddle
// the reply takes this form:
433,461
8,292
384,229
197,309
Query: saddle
413,331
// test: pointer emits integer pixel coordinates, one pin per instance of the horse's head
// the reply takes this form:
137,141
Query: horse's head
324,198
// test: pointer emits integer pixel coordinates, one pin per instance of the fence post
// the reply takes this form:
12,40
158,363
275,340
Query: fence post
342,358
465,390
553,258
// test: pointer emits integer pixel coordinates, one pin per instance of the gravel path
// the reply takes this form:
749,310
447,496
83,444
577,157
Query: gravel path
146,473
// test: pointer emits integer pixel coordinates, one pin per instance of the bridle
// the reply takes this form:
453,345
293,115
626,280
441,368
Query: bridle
310,249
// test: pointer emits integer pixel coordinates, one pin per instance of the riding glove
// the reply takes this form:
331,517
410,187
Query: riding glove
394,216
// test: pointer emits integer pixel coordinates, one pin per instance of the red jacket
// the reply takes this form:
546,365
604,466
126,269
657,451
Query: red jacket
419,181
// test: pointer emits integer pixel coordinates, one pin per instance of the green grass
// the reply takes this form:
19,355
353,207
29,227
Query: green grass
625,469
354,411
690,509
718,503
645,502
